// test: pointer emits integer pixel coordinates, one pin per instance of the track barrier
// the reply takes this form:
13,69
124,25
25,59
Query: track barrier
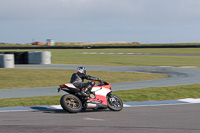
8,59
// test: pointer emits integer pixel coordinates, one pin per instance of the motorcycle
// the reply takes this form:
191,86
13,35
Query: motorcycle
101,97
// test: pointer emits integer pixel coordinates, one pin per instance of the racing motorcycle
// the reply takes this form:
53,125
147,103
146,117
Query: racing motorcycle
101,97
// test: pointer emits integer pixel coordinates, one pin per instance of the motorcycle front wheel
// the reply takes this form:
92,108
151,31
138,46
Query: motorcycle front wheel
114,102
71,103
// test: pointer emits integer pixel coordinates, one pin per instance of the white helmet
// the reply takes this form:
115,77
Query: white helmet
81,70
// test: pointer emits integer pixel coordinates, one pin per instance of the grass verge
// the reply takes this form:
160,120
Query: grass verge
30,78
77,57
160,93
154,93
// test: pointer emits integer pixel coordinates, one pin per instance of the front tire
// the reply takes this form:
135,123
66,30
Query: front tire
114,102
71,103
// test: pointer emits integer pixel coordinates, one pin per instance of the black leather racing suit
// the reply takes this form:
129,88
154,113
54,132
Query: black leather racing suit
77,79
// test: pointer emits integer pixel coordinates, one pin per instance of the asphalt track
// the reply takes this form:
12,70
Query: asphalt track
182,118
147,119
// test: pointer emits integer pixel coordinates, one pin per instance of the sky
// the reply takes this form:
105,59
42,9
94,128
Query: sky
143,21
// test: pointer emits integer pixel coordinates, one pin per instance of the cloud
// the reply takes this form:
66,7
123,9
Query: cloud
134,10
111,19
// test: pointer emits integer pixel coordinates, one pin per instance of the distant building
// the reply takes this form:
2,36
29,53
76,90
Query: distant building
50,42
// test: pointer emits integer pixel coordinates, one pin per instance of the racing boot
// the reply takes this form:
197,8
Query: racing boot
87,90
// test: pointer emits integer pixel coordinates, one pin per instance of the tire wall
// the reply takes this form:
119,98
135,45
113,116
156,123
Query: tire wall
26,57
7,61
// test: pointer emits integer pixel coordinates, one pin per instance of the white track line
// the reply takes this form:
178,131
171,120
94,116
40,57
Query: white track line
127,104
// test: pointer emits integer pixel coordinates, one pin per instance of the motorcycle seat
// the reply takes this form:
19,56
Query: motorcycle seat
70,85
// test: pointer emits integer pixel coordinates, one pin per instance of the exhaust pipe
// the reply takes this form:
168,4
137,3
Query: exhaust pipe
91,106
95,106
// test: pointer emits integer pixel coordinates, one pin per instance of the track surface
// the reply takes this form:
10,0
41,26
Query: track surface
141,119
152,119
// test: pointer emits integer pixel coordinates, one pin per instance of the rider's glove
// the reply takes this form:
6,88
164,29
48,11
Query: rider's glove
100,80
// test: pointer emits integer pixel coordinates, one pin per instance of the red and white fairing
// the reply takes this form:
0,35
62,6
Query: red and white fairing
70,85
100,92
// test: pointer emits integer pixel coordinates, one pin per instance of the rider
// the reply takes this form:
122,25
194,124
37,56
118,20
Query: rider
77,79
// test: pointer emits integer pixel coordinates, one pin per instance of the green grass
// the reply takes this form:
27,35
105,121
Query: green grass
30,101
154,93
160,93
29,78
76,57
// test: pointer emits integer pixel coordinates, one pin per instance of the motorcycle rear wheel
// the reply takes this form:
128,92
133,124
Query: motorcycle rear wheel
71,103
114,102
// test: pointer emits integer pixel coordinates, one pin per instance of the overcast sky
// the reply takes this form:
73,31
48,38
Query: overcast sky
144,21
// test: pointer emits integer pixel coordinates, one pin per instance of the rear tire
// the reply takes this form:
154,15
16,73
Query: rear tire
71,103
114,102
